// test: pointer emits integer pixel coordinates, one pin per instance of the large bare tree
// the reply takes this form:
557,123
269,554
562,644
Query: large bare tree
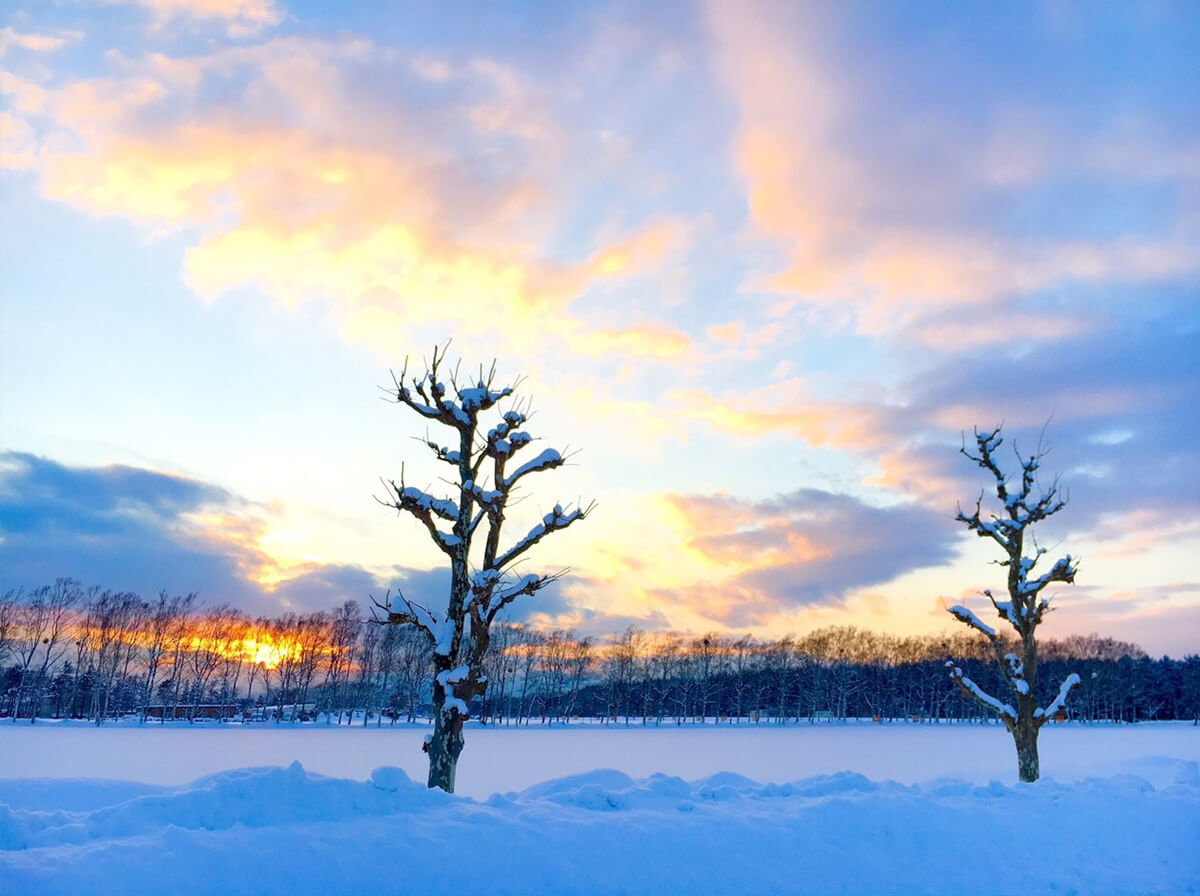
466,528
1022,504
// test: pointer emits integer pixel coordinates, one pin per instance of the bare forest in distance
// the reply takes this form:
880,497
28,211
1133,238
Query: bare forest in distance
85,653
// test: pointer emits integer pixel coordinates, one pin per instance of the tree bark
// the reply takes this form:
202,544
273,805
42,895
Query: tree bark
444,748
1026,737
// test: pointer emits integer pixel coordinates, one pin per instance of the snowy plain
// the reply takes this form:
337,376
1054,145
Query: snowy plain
826,808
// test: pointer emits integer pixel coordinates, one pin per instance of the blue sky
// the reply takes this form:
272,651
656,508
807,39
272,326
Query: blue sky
760,264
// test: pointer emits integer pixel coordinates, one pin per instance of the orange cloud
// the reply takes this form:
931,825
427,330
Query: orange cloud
301,190
730,332
784,406
647,341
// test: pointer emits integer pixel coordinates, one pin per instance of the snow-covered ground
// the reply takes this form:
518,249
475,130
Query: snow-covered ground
855,808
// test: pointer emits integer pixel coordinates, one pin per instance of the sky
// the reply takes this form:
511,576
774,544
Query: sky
757,266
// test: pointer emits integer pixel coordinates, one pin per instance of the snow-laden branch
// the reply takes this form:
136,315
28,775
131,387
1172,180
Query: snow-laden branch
414,497
1005,610
413,614
448,680
974,691
987,443
962,614
486,498
1064,570
1016,499
993,528
547,460
1064,691
506,438
555,521
427,510
492,592
444,454
1014,671
429,396
480,397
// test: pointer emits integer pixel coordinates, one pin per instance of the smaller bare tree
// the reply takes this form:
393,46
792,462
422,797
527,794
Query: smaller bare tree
1024,610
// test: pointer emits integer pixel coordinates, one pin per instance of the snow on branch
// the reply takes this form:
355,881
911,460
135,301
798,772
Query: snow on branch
962,614
555,521
997,530
1014,671
974,691
413,614
506,438
1064,570
425,508
487,498
493,595
1004,608
1069,684
480,397
429,395
449,680
444,454
409,496
547,460
987,443
1016,500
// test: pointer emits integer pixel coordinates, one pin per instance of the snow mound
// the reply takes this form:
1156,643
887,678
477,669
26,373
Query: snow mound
256,797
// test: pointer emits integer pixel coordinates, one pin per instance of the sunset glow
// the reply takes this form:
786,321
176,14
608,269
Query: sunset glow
759,265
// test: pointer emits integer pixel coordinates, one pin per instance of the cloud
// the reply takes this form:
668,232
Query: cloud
901,191
241,18
1136,376
142,530
35,42
804,548
786,406
416,194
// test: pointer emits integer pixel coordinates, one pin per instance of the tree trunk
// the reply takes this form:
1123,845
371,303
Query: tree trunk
1025,735
444,747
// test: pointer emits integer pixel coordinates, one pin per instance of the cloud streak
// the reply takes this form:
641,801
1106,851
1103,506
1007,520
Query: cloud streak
804,548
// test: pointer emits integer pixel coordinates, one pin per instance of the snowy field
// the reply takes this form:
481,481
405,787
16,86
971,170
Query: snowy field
855,808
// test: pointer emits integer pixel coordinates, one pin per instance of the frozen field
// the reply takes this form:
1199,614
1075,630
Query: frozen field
856,808
503,759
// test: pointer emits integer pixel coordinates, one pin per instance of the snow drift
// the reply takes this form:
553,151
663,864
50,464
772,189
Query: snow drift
289,831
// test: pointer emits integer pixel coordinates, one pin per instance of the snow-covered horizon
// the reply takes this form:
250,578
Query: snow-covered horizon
501,758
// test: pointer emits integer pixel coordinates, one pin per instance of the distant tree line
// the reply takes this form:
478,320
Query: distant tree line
830,674
86,653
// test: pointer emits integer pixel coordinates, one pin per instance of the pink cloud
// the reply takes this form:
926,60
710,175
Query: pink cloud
878,214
